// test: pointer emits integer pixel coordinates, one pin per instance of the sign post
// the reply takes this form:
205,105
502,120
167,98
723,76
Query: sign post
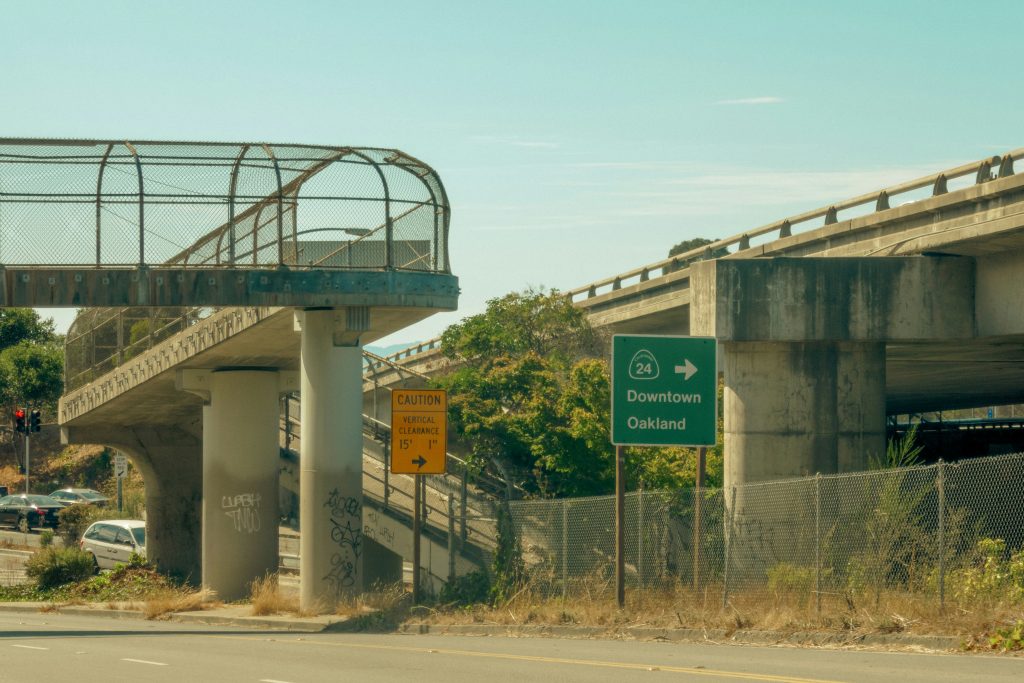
419,445
120,471
664,393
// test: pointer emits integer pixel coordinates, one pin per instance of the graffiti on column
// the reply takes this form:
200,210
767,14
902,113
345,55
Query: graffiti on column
244,511
347,536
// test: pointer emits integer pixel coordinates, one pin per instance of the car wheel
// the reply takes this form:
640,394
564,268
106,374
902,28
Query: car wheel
22,525
95,564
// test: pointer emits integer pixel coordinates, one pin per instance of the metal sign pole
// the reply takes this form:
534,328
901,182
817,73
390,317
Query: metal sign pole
697,496
27,450
620,526
416,521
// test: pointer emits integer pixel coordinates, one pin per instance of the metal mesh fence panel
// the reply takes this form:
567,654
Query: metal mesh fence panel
113,203
942,534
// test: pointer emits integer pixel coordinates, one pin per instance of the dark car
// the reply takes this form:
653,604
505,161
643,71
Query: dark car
87,496
24,511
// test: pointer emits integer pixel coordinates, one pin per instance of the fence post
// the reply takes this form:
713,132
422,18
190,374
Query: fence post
462,506
451,540
640,535
727,522
817,540
387,469
941,485
565,546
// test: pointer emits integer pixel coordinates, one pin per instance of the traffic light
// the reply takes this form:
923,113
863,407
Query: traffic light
33,421
19,420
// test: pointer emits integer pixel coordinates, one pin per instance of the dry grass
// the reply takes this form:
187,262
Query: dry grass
162,603
268,599
593,604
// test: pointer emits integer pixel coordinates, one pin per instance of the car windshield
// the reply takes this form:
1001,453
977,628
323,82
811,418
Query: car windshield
139,532
92,495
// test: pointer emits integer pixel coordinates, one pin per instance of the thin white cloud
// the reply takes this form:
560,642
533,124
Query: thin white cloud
511,142
753,100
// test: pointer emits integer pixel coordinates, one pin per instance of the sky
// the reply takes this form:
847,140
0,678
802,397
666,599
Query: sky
576,139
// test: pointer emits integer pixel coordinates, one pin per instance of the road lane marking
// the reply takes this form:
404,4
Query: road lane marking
272,680
695,671
30,647
143,661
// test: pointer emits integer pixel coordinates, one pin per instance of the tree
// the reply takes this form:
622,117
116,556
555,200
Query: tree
689,245
31,360
531,396
32,374
23,324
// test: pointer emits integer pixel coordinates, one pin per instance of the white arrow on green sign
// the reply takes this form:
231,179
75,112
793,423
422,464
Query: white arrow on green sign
664,390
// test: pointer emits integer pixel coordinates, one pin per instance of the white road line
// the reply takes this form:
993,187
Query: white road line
272,680
143,661
30,647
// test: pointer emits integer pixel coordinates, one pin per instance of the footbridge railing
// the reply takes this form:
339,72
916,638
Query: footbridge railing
113,203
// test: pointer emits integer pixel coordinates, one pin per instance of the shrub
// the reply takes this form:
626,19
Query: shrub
468,589
52,567
74,520
990,575
46,538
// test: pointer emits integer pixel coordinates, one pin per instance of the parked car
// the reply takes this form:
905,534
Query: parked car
87,496
113,541
24,511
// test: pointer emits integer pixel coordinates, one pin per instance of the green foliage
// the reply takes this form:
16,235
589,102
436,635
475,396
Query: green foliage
75,519
46,538
905,452
689,245
24,325
785,577
32,373
137,561
990,575
529,395
52,567
509,568
1008,638
468,589
895,538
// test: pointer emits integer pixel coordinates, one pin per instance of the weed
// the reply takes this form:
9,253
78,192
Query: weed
267,597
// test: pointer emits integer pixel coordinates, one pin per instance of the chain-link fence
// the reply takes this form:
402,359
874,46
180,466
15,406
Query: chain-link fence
947,533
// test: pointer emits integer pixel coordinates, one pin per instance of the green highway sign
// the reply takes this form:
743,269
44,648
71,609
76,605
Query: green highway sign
664,390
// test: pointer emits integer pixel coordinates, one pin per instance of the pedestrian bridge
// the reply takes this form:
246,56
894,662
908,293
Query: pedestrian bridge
355,240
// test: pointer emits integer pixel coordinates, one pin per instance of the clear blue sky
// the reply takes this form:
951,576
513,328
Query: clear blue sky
576,139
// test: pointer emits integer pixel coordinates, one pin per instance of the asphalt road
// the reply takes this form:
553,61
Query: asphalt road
48,647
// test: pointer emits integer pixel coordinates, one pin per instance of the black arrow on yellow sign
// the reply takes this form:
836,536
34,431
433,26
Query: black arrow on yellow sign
420,462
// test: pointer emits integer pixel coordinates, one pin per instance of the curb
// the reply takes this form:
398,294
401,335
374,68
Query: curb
210,618
672,635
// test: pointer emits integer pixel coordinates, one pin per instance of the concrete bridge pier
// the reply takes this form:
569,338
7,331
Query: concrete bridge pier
802,408
240,475
170,460
331,475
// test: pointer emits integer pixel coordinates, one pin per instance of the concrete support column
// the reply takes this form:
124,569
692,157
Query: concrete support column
170,460
331,475
798,408
240,480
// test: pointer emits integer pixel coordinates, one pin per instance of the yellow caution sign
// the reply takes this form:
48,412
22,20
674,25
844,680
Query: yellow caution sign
419,431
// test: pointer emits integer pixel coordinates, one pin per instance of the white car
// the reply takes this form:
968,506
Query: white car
112,541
